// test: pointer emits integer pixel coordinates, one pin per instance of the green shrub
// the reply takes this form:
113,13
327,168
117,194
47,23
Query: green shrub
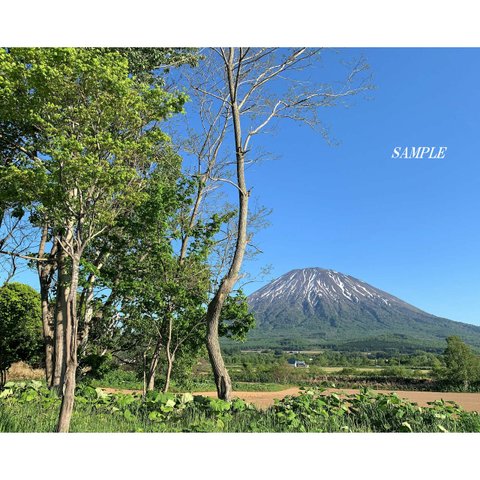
118,378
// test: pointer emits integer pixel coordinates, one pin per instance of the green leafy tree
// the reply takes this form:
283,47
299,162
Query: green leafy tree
161,292
97,140
20,326
462,366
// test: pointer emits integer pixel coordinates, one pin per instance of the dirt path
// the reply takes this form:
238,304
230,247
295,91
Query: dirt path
469,401
259,399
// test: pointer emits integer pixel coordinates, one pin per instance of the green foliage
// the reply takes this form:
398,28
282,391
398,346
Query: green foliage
162,293
370,412
462,366
20,324
145,62
236,319
90,160
96,138
117,378
97,366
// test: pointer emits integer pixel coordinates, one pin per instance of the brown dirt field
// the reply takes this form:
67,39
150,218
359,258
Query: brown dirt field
259,399
469,401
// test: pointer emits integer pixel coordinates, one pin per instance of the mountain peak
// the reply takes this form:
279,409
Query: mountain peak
315,283
324,304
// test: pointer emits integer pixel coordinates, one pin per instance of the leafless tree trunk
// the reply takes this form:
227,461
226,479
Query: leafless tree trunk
222,378
236,83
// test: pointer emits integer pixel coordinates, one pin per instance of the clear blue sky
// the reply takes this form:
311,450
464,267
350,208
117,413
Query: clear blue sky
408,226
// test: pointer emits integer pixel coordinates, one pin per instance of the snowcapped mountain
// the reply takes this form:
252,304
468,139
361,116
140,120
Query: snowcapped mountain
317,306
314,285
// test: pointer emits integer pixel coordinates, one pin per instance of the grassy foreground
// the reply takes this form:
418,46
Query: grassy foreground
30,407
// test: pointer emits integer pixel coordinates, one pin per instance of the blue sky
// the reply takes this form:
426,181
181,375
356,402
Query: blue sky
408,226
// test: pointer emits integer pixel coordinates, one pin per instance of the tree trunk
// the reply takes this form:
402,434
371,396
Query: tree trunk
85,306
152,369
220,372
144,391
59,345
222,378
87,318
70,329
46,271
170,355
59,367
170,359
48,329
48,336
3,377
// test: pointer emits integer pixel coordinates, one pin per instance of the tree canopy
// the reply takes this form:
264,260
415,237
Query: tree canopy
462,366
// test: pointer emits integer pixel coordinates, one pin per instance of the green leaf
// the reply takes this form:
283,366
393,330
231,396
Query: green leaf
186,398
155,416
36,384
6,393
128,415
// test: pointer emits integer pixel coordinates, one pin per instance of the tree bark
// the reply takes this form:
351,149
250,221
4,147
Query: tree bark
46,270
144,390
168,374
59,367
220,372
48,333
70,321
222,378
86,303
152,369
170,355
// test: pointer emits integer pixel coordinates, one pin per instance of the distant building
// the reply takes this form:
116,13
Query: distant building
300,364
297,363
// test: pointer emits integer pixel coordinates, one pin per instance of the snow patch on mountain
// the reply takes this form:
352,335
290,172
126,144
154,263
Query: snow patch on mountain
312,284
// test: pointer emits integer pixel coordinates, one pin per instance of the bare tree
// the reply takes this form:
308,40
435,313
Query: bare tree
17,239
239,92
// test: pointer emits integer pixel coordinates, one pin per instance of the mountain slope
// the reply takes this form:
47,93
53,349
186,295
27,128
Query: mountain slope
315,307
